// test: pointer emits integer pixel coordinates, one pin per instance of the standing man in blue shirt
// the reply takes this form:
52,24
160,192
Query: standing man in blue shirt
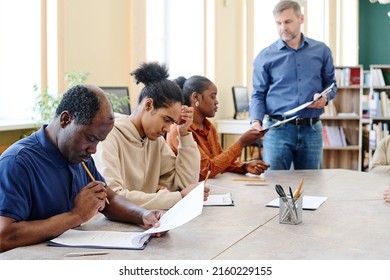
44,188
288,73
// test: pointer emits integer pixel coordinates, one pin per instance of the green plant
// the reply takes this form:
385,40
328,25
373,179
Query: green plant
46,103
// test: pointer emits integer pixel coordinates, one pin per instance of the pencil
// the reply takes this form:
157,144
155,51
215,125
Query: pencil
249,179
298,191
91,176
207,176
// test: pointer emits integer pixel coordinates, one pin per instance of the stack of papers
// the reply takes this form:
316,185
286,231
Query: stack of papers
224,199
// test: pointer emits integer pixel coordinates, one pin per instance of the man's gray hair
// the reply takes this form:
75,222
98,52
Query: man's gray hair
284,5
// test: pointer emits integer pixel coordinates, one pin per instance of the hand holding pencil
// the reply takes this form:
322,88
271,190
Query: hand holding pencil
92,178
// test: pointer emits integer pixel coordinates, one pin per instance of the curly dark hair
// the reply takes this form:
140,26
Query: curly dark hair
154,76
81,103
194,83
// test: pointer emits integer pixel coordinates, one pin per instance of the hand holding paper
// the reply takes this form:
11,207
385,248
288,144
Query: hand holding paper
304,105
278,123
182,212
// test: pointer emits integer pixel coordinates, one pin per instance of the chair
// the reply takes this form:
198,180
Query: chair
120,92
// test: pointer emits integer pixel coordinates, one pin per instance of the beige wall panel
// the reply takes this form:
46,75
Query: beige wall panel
96,40
228,53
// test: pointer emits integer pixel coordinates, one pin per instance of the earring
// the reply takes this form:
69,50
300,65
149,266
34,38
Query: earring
197,103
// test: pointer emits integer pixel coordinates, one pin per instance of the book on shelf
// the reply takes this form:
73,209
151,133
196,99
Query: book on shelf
377,133
379,105
334,136
372,138
354,76
385,103
377,77
366,78
348,76
375,105
342,136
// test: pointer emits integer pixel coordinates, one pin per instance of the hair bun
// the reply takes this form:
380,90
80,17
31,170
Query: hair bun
180,81
149,73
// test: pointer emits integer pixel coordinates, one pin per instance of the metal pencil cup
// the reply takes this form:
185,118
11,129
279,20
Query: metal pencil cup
290,210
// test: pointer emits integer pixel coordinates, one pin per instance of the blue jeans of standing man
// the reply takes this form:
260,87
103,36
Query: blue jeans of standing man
290,143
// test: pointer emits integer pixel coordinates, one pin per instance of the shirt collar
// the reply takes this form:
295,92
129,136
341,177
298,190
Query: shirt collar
50,148
281,44
206,125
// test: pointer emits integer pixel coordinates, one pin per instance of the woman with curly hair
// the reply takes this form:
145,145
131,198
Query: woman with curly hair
135,159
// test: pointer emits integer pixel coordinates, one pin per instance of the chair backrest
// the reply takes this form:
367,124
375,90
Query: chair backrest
240,99
120,92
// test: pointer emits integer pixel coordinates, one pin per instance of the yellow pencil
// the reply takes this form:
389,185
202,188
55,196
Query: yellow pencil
91,176
207,176
298,191
249,179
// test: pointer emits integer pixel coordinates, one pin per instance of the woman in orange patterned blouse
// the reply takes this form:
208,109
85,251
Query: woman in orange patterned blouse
200,93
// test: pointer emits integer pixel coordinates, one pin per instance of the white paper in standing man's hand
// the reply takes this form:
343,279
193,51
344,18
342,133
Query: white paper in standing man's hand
304,105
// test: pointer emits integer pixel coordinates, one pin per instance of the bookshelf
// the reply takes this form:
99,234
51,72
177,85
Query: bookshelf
342,121
378,123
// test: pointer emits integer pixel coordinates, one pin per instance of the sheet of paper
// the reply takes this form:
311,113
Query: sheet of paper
297,109
182,212
308,202
223,199
278,123
304,105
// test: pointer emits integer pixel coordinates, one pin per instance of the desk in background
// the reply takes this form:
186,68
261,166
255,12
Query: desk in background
352,224
236,127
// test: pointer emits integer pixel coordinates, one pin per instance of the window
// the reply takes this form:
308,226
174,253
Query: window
20,56
21,53
175,35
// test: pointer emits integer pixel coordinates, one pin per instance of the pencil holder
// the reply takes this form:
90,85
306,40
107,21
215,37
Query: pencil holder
290,210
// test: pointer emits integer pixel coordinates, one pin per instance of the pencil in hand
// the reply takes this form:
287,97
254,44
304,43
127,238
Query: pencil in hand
91,176
207,176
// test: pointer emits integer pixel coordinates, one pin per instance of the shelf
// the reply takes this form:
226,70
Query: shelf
375,119
348,148
339,129
375,127
340,118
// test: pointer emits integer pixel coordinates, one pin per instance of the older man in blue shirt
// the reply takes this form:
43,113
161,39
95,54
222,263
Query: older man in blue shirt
288,73
44,189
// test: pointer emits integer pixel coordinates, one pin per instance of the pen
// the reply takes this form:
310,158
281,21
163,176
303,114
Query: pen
80,254
91,176
293,201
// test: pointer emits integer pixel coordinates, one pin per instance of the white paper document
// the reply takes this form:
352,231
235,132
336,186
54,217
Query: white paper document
223,199
182,212
308,202
304,105
101,239
278,123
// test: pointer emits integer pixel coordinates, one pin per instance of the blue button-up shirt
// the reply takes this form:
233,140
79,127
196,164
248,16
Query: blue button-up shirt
284,78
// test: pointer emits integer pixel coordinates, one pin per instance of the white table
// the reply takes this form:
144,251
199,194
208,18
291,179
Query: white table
352,224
